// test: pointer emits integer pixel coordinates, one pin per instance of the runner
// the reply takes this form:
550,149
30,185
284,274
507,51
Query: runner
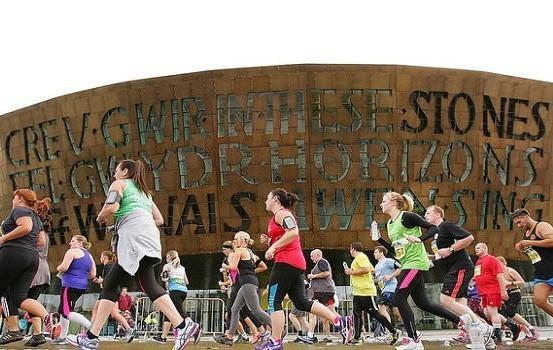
287,276
538,246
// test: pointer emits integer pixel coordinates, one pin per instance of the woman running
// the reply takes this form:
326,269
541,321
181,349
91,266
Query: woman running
76,269
108,260
404,230
176,280
287,276
242,265
40,282
129,201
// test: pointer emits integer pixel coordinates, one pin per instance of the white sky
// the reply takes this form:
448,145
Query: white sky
52,48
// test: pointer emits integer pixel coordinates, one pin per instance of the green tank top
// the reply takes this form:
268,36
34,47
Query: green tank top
133,199
410,255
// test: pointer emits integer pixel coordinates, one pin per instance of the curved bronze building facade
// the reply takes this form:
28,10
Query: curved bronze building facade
475,143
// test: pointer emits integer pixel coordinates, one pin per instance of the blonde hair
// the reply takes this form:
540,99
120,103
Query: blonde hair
175,259
243,235
403,201
82,239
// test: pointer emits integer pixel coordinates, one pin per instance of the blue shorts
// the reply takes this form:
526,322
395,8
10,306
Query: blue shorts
386,298
549,281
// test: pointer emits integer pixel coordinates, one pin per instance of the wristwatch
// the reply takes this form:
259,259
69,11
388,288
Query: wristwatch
451,249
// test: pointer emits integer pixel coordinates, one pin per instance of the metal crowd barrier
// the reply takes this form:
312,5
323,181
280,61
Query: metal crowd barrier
208,312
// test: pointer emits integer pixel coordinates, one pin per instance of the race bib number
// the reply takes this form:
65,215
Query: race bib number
381,283
399,247
533,255
434,246
477,270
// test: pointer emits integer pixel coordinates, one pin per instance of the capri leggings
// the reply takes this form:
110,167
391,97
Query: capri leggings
178,297
145,276
411,282
247,296
68,298
18,267
287,279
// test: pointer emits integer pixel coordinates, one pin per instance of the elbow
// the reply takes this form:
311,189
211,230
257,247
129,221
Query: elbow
159,221
470,239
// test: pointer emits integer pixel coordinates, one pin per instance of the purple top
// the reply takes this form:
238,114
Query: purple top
76,275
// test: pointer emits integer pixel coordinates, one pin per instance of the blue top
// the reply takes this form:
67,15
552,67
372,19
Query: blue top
76,275
386,267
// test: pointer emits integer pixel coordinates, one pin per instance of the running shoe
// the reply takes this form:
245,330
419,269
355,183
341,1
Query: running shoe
183,336
270,345
47,323
306,339
394,336
83,342
410,344
36,340
346,329
59,341
242,339
223,339
159,339
462,337
262,337
130,334
10,337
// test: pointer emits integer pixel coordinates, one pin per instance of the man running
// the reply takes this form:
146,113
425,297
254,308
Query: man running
537,244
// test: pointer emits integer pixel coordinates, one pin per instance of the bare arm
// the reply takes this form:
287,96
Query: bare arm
234,258
516,279
158,218
92,272
67,259
41,240
261,267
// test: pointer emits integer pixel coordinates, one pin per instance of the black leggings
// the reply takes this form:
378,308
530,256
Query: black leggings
146,280
177,297
18,267
367,304
287,279
34,293
411,282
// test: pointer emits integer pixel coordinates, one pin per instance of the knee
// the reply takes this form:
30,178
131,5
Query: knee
304,305
540,300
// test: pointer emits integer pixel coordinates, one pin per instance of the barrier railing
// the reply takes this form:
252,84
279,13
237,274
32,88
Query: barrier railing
208,312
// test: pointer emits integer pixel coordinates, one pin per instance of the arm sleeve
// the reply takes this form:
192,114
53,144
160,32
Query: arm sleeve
385,244
411,220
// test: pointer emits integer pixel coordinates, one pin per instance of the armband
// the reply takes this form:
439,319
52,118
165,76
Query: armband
289,223
113,197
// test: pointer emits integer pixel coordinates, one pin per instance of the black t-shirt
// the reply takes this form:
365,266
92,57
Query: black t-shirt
447,234
30,239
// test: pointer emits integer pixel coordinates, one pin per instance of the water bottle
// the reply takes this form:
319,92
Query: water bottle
375,235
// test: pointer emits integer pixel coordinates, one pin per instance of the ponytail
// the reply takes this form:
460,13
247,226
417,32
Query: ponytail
287,199
136,170
409,203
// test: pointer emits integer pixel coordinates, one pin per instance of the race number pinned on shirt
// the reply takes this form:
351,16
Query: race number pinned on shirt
399,247
533,255
477,270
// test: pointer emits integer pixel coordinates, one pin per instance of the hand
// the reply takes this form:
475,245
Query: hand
270,253
348,271
444,252
387,277
310,276
264,239
412,239
2,240
504,295
102,219
520,246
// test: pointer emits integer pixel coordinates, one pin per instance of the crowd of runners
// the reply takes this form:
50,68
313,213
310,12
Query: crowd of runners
480,298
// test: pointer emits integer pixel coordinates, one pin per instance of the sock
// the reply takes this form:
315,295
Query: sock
80,319
64,327
300,333
182,325
277,341
90,335
310,334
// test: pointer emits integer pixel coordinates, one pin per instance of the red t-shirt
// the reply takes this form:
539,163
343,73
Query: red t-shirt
125,302
291,253
485,274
